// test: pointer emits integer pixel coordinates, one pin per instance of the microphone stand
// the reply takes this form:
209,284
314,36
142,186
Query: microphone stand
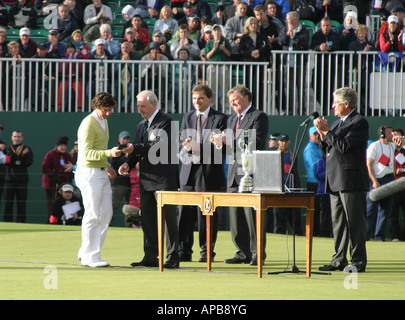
294,268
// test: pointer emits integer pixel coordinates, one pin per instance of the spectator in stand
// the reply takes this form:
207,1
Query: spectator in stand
271,10
56,168
112,46
76,11
391,39
93,13
219,11
218,49
202,8
184,41
3,14
128,12
157,37
102,73
268,27
284,8
230,11
193,23
148,9
22,14
138,46
46,7
28,47
3,42
234,28
66,24
82,48
140,33
55,47
397,228
182,16
346,30
93,33
61,211
166,23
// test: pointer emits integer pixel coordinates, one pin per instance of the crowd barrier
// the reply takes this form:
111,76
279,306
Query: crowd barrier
292,83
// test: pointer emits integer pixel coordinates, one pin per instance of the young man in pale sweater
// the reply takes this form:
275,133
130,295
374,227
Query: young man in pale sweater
92,177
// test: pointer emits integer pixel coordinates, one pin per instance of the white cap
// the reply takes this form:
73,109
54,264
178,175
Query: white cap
393,18
67,187
351,14
99,42
208,28
25,31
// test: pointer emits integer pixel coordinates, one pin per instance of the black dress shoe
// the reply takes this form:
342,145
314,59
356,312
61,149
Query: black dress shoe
185,257
328,267
236,261
146,263
171,264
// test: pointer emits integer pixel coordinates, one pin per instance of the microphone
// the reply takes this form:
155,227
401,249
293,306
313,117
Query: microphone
313,116
387,189
129,210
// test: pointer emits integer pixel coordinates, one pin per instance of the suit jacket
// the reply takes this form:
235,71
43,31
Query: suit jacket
153,151
345,151
254,119
212,162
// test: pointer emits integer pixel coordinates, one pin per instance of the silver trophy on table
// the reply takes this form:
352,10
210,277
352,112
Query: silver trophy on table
246,183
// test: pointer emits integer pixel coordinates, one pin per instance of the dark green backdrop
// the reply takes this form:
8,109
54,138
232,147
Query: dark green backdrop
41,130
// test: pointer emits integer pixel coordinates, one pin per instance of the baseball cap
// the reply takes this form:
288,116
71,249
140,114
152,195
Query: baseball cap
25,31
283,137
99,42
124,134
393,19
67,187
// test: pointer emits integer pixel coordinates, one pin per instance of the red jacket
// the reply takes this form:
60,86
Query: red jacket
52,166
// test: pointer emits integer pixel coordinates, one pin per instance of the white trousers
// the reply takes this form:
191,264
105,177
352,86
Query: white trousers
95,187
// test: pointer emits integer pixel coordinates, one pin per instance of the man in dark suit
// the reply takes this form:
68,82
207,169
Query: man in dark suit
152,149
344,145
255,122
202,167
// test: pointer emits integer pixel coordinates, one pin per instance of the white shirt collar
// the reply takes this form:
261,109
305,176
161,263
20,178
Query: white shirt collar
99,120
205,113
152,117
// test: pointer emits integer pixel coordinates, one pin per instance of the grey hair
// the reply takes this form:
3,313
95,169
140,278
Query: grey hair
346,94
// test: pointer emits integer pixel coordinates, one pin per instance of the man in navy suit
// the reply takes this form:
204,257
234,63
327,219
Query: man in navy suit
152,149
202,167
344,146
255,122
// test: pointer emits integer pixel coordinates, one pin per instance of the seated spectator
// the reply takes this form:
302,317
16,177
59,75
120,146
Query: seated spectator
140,33
183,75
219,11
166,24
112,46
66,24
361,43
138,46
202,8
182,16
233,30
64,207
28,47
391,39
55,47
76,11
184,41
22,14
148,8
93,13
3,14
193,23
72,85
93,33
346,30
157,37
3,41
82,48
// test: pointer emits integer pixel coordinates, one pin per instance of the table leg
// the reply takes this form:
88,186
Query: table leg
260,241
161,234
209,231
309,238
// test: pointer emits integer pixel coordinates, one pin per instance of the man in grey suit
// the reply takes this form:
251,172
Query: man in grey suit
202,167
344,145
255,122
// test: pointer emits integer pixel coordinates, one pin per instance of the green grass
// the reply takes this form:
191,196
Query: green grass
27,250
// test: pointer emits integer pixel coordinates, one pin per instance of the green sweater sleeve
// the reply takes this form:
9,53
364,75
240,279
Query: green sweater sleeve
92,144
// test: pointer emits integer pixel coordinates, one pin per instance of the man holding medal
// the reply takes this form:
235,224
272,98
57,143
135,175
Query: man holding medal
16,179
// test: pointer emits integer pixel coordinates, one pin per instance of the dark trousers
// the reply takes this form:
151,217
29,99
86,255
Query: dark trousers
397,229
150,227
19,191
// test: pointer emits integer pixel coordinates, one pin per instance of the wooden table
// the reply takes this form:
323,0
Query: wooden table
209,201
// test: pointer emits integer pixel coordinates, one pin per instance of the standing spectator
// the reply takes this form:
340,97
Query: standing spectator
22,14
397,228
93,176
184,41
218,49
55,47
200,170
16,179
381,169
290,215
93,13
271,10
344,146
28,47
312,153
234,28
66,23
56,168
155,130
